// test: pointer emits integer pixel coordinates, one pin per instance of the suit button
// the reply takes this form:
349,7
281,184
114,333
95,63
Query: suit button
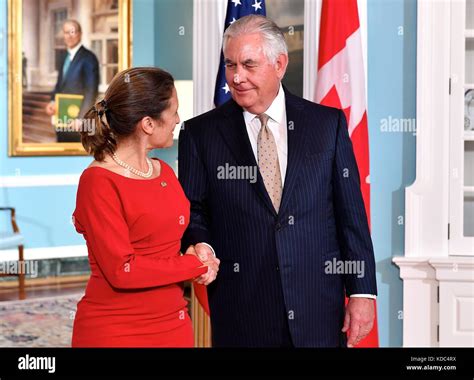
277,268
278,226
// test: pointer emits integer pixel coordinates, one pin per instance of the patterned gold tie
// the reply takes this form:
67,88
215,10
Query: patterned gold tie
268,161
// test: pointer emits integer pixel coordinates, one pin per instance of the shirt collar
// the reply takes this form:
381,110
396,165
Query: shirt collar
275,111
72,52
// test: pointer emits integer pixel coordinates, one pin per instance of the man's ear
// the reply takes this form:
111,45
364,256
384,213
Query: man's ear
147,125
281,65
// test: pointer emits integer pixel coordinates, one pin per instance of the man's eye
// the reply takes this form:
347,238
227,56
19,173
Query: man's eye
230,65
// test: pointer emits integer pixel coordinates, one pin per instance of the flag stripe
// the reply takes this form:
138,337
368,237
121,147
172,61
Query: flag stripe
339,19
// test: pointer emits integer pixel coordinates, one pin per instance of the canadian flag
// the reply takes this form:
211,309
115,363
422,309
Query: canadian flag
200,291
341,84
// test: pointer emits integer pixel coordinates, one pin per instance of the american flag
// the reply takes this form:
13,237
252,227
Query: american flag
235,10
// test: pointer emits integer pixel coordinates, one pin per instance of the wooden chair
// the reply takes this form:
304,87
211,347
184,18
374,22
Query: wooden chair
10,240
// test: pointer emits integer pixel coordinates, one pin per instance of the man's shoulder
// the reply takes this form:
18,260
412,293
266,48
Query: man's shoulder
318,121
312,107
87,54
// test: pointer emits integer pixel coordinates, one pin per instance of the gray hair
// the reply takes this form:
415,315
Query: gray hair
75,23
273,38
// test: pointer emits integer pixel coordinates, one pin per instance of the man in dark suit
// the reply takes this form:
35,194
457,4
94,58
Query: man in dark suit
293,241
79,74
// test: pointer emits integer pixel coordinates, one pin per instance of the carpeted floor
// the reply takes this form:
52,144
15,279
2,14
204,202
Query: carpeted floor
41,322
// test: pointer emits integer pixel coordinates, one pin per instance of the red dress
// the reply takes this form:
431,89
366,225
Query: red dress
133,227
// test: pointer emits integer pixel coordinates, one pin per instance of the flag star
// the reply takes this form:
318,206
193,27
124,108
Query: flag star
226,88
257,5
233,20
236,2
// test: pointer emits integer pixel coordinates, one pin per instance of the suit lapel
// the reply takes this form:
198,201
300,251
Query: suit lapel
296,126
234,133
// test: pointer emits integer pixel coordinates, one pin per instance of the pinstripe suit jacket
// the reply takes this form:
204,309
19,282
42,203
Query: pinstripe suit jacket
273,273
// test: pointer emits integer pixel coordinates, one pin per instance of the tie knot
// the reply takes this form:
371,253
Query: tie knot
263,117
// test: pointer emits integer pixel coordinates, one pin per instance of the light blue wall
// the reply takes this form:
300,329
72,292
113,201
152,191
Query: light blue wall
167,43
44,213
144,32
174,37
391,92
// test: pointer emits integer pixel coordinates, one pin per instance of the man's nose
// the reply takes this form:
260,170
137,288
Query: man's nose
239,75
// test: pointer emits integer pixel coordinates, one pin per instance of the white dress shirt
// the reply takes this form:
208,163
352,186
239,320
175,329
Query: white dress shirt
278,126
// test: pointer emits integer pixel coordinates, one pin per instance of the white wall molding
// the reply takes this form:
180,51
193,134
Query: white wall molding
438,292
208,29
364,34
40,180
46,253
312,15
415,268
420,307
184,89
454,268
426,210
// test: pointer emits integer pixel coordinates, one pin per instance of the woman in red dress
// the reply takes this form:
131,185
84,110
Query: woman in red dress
133,212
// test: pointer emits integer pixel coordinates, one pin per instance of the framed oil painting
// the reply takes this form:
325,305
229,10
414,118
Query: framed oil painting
62,54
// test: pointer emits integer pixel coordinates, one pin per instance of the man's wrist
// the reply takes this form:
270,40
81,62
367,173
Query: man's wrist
212,249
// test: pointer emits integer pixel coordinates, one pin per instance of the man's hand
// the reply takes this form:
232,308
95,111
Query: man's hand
204,253
51,108
359,319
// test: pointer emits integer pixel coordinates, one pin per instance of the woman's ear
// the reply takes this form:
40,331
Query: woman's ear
148,125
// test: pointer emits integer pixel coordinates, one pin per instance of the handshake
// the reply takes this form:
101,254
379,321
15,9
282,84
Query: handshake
204,253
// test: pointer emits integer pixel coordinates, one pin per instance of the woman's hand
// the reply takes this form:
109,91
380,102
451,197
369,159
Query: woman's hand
205,255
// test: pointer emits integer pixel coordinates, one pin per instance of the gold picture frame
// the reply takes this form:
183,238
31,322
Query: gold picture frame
18,145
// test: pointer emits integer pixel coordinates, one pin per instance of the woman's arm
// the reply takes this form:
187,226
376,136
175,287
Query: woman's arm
99,217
